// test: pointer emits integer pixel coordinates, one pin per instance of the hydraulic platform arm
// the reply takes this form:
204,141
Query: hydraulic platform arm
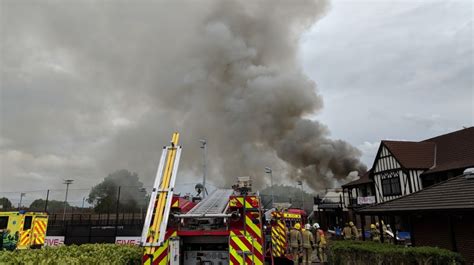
154,229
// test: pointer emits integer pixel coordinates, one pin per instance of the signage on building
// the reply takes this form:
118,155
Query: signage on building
54,241
127,240
366,200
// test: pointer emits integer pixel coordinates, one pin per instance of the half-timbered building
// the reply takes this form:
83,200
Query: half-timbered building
398,167
404,167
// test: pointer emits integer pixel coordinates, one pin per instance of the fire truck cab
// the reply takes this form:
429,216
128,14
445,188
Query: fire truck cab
22,230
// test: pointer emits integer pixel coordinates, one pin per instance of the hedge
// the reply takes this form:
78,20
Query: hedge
80,255
361,253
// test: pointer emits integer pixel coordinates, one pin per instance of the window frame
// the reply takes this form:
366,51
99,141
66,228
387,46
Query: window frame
28,222
390,184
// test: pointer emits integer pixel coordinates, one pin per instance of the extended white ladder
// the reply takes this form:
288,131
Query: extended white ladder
213,206
156,222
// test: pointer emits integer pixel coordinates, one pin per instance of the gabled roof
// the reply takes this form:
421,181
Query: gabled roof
445,152
419,155
364,179
453,150
453,194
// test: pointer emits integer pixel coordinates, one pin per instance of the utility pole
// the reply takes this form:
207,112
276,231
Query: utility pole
67,182
269,171
21,199
204,165
302,194
46,202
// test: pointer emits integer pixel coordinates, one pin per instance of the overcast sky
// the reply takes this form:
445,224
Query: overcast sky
385,70
393,69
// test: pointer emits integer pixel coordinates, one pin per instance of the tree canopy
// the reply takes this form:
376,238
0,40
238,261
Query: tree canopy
5,203
53,205
132,194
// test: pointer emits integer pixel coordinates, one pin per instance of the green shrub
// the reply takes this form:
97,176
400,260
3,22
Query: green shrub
80,255
361,253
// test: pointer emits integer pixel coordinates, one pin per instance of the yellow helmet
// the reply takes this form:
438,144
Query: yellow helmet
297,226
372,226
351,223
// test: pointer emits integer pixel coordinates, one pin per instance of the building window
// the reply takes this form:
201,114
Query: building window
391,184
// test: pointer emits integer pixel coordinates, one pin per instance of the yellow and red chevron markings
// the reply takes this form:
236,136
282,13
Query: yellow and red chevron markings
39,230
175,202
158,255
246,247
278,239
24,238
238,201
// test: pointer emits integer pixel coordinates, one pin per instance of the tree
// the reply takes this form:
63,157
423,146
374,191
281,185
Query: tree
5,204
282,193
53,205
132,194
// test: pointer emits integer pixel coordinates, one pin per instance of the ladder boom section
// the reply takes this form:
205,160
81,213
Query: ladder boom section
213,205
156,221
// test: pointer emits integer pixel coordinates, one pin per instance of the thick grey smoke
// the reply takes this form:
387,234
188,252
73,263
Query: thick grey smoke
120,77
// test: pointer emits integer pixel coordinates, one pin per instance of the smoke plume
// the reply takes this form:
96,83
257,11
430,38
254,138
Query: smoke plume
125,75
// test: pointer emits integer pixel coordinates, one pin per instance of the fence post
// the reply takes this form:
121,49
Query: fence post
117,211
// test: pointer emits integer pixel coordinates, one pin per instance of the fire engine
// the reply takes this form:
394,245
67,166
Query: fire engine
22,229
226,227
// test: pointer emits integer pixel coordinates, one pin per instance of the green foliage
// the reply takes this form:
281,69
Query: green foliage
83,254
5,203
361,253
53,205
104,195
283,193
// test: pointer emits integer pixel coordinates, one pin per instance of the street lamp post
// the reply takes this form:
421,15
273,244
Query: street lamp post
269,171
21,199
204,165
67,182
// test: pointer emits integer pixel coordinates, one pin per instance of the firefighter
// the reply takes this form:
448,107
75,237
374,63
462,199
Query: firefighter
308,244
384,227
374,233
354,231
347,232
322,244
316,237
295,242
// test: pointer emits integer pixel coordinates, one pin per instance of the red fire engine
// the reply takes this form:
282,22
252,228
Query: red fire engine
226,227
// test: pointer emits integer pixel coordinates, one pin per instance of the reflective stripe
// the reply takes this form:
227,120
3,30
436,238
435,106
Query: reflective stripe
278,238
250,202
40,232
158,255
241,245
175,203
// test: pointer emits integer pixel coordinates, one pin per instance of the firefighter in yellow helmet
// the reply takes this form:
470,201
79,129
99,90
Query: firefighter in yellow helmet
355,232
374,233
307,244
295,242
347,232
